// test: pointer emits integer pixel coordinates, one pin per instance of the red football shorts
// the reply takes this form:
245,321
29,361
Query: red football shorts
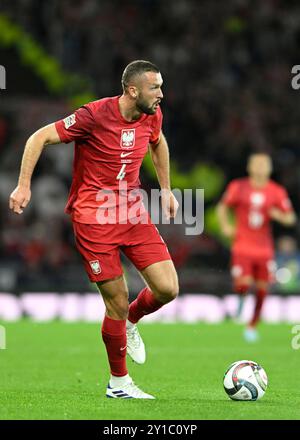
259,268
100,245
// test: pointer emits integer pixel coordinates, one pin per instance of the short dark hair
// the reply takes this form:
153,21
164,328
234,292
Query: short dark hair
137,67
259,153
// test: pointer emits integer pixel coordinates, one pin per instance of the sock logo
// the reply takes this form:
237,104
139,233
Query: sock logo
123,348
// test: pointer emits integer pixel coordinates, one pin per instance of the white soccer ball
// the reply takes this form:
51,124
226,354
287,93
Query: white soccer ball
245,380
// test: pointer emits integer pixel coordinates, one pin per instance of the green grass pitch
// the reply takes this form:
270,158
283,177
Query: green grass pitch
59,371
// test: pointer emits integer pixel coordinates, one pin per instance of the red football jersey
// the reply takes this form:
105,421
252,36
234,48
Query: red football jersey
108,150
251,207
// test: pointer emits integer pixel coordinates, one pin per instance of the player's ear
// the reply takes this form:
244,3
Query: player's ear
133,92
271,167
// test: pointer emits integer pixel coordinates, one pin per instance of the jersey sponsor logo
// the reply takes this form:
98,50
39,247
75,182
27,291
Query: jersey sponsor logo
257,199
69,121
95,266
128,138
123,154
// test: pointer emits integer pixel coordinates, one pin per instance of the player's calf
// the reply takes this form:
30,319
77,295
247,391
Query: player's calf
261,294
241,289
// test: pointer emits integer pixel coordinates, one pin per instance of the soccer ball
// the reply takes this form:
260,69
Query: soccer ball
245,380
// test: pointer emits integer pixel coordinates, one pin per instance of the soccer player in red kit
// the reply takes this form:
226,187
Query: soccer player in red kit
255,201
112,136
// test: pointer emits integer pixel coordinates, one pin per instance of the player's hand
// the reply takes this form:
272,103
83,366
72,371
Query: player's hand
19,199
228,231
169,203
275,214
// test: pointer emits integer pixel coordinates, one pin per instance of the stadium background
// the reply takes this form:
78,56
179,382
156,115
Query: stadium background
227,93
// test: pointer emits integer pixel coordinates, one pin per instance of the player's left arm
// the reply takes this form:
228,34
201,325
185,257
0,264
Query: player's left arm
285,218
283,211
161,160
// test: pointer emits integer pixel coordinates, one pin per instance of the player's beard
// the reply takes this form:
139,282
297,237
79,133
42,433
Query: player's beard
143,107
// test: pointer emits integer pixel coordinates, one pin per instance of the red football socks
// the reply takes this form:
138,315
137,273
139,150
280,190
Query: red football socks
114,338
144,304
260,297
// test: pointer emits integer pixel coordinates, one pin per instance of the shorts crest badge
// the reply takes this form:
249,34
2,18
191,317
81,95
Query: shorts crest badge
95,266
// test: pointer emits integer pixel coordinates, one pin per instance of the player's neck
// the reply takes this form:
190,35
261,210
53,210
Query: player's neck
128,109
258,183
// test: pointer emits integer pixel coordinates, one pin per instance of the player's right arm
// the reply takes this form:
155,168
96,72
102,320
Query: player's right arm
20,197
223,214
228,201
76,126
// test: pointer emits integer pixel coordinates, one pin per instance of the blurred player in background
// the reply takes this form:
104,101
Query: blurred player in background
256,201
112,136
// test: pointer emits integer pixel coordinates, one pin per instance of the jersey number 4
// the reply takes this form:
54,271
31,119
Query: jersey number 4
256,219
122,172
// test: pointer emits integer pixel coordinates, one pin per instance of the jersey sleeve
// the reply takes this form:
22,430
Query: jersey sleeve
156,127
283,201
231,195
76,126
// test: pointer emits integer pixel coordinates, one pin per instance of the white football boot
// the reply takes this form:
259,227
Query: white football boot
127,391
135,344
251,335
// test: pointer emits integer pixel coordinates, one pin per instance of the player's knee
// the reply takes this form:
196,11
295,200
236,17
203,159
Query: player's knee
241,288
117,309
168,291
